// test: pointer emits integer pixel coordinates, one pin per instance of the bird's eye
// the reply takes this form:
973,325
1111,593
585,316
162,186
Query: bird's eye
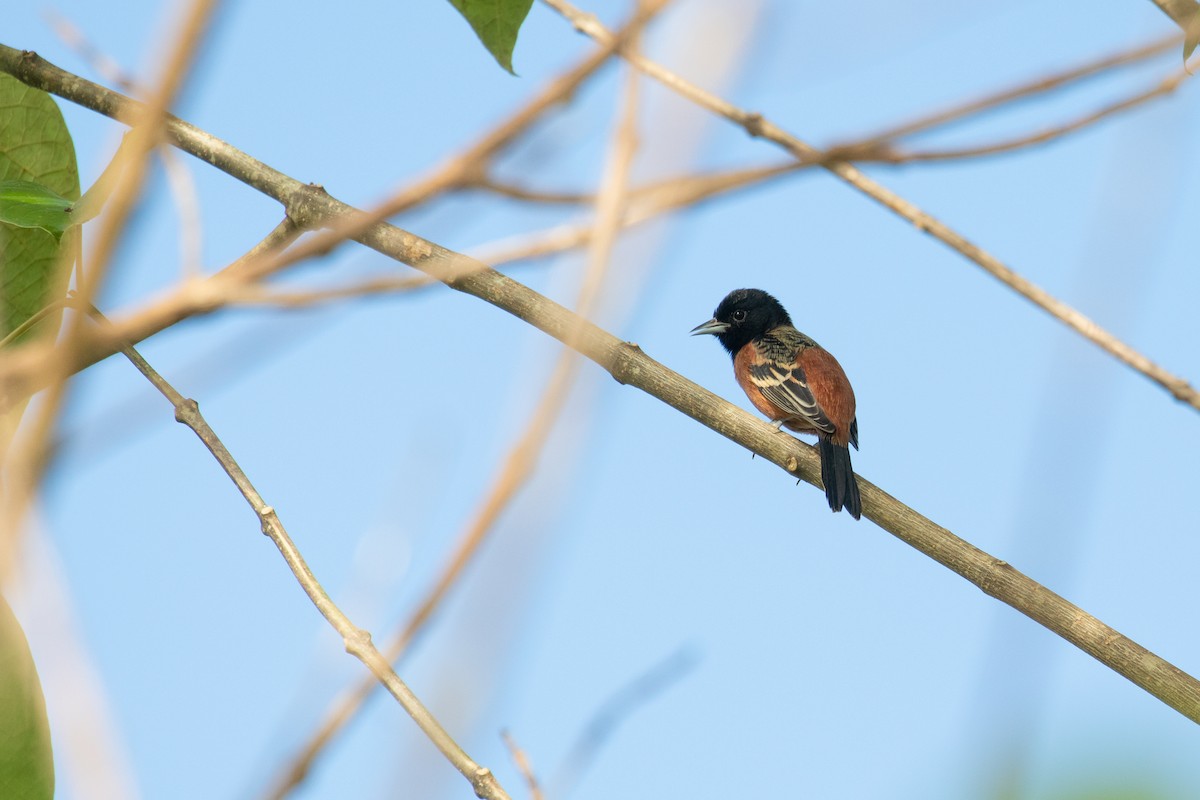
738,316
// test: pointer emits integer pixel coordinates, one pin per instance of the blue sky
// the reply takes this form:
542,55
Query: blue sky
822,654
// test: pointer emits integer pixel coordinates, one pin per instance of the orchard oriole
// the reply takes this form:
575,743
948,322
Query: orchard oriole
794,381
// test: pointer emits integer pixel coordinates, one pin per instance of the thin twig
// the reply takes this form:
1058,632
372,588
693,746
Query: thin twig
613,712
104,65
258,295
891,155
187,203
460,171
179,180
758,126
515,192
880,147
356,640
1022,91
470,167
523,765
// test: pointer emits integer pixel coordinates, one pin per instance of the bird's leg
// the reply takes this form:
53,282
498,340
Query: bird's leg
777,424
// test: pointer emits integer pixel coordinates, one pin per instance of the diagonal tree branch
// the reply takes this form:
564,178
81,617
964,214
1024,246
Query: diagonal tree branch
523,764
890,155
356,640
310,206
758,126
470,167
1021,91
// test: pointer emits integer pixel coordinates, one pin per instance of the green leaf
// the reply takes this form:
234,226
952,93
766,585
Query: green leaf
26,761
496,23
35,147
30,205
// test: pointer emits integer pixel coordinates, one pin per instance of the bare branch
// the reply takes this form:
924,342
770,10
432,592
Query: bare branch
890,155
1021,91
187,202
523,764
470,167
758,126
357,640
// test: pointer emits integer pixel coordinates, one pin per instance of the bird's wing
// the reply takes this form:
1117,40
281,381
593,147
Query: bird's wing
786,386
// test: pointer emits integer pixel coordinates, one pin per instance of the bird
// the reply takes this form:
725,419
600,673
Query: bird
794,381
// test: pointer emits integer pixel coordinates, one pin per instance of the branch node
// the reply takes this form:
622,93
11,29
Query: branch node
483,782
587,24
307,206
187,411
1184,391
358,642
995,580
752,121
626,363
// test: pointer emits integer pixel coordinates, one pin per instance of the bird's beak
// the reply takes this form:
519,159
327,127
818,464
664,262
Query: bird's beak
713,326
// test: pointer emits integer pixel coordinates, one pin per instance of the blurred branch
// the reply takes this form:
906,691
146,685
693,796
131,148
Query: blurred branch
26,461
1022,91
880,147
515,192
614,711
470,167
178,178
310,206
523,765
890,155
187,202
357,640
101,63
758,126
21,372
521,462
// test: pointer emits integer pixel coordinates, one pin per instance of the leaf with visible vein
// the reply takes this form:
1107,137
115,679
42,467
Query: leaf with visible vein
496,23
35,147
30,205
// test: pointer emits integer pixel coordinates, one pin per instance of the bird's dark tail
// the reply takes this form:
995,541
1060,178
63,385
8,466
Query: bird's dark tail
841,487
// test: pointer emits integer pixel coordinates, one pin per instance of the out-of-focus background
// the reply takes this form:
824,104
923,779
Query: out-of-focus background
657,615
